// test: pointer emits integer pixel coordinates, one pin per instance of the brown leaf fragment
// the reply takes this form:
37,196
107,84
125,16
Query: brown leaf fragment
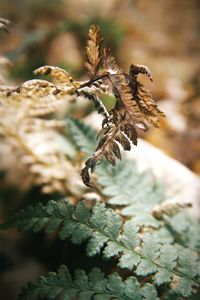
147,105
137,100
131,133
116,150
123,140
109,156
93,51
107,148
89,167
140,69
122,90
85,176
58,75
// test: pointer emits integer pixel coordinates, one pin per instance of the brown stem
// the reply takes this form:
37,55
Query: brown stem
91,81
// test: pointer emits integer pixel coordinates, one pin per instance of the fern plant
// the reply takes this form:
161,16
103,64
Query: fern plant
154,254
154,243
135,109
92,286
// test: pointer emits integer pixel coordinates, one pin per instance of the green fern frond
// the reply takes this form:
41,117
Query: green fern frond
95,285
168,257
185,229
104,231
83,136
39,217
137,193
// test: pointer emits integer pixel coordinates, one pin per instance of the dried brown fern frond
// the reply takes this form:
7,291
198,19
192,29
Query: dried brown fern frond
110,137
140,69
107,148
123,120
142,96
93,51
135,109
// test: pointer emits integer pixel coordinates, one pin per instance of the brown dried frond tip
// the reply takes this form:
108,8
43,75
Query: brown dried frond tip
93,51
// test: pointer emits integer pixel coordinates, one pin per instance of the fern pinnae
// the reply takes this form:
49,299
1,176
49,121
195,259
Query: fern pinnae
94,285
93,51
135,194
83,136
104,230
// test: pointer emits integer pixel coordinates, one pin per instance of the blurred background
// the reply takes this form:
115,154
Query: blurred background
164,35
